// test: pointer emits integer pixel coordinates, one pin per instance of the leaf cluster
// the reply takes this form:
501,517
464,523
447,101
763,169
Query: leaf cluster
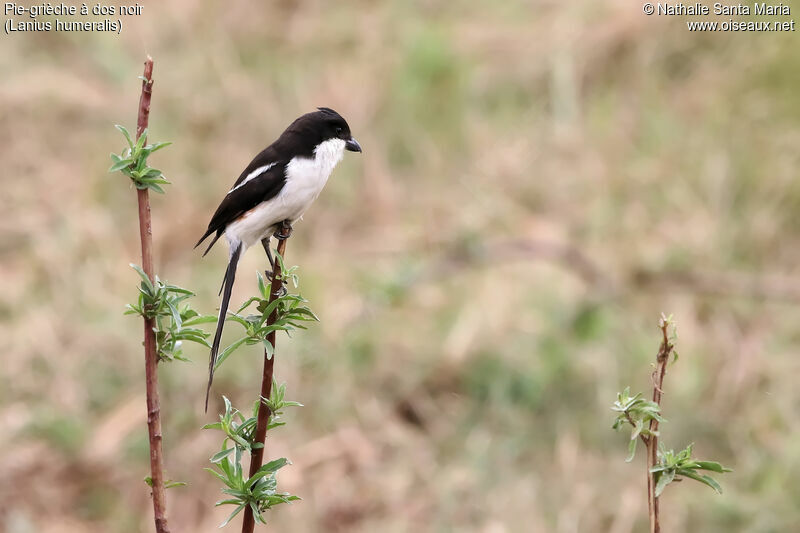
638,412
259,491
276,403
237,429
175,320
672,466
133,162
287,274
290,312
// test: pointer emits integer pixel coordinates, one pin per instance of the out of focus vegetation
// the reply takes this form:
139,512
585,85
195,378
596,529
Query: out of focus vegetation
539,181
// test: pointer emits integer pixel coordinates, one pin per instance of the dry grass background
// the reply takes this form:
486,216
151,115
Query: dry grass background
461,376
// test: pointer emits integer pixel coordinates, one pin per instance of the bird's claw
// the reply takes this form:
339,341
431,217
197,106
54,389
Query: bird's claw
284,231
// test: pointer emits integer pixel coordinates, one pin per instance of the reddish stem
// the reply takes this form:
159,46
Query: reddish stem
257,455
150,356
652,441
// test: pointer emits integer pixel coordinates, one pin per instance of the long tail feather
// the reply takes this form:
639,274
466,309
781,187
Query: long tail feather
204,237
213,240
230,275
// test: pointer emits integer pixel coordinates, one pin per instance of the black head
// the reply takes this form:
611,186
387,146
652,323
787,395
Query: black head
319,126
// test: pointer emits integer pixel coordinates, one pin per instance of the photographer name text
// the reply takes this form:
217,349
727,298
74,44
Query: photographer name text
698,9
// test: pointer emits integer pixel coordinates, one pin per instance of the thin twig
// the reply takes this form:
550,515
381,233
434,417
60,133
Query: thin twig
150,357
257,455
632,423
652,442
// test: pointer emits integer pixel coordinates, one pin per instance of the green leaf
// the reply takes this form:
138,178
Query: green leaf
200,319
305,311
236,493
140,141
178,290
239,319
706,480
268,348
119,163
230,475
663,480
152,180
263,332
256,513
176,316
219,456
151,173
269,468
713,466
191,334
233,514
155,188
145,278
631,450
157,146
126,134
637,429
234,501
271,307
237,465
247,303
228,351
219,476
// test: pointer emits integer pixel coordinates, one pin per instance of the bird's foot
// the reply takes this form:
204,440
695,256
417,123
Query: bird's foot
284,231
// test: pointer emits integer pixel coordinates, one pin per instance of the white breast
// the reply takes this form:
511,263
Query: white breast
305,179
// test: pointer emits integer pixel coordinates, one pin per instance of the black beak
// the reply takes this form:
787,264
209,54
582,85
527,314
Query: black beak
352,145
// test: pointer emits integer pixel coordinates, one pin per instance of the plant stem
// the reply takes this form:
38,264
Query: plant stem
257,455
150,357
652,441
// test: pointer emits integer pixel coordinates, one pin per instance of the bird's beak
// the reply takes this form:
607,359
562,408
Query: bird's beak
352,145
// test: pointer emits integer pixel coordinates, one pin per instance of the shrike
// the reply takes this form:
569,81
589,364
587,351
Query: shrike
275,189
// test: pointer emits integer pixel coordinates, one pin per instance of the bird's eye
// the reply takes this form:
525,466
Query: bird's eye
338,130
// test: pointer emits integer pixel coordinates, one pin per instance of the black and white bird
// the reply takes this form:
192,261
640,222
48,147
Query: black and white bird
275,189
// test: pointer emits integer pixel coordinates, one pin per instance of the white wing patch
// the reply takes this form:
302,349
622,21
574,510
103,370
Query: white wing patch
254,174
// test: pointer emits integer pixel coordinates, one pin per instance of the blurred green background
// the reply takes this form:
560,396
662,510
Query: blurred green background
540,180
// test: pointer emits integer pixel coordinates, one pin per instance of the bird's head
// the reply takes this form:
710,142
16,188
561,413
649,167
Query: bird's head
335,127
325,124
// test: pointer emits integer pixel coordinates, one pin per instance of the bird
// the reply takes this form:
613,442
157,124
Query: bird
273,192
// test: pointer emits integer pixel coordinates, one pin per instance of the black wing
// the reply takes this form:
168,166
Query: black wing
266,183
